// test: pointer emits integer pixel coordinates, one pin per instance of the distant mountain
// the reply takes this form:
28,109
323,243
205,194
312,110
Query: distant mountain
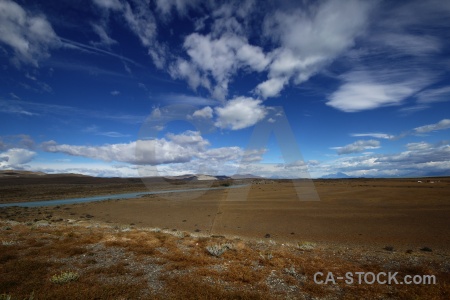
336,176
195,177
20,173
245,176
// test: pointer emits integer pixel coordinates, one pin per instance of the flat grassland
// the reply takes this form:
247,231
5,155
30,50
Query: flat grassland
273,243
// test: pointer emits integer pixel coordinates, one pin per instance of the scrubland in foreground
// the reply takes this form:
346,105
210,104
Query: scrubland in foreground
268,246
92,260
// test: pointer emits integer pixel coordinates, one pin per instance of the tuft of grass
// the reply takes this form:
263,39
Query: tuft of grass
266,255
291,271
306,246
8,243
218,249
64,277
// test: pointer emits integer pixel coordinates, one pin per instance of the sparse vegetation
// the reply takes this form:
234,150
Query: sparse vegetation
64,277
266,255
306,246
218,249
8,243
101,262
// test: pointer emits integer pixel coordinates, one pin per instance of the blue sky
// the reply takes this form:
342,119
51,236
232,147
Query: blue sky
272,88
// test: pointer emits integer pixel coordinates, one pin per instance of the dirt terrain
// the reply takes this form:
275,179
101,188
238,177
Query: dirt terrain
400,212
155,246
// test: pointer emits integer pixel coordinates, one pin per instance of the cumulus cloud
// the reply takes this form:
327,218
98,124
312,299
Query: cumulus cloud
239,113
174,149
213,61
420,159
358,146
443,124
30,36
206,112
15,158
186,147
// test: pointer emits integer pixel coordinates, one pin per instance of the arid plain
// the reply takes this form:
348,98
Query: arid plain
400,212
390,219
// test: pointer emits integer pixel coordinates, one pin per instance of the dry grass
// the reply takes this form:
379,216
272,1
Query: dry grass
112,263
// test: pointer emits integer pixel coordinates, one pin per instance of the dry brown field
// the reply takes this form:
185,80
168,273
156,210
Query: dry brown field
156,246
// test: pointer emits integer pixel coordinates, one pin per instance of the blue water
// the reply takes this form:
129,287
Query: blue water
109,197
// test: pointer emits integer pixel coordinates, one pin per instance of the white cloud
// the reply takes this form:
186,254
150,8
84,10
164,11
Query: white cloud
205,112
420,159
310,39
358,146
409,44
180,6
364,90
96,131
175,149
443,124
141,21
105,40
15,158
239,113
374,135
109,4
418,146
434,95
29,36
271,87
174,155
216,60
115,93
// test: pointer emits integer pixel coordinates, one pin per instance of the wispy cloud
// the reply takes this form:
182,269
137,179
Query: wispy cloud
186,99
29,35
95,50
434,95
443,124
374,135
96,131
105,40
40,109
310,39
358,146
365,90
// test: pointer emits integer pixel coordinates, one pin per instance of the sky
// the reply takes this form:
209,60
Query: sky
281,89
